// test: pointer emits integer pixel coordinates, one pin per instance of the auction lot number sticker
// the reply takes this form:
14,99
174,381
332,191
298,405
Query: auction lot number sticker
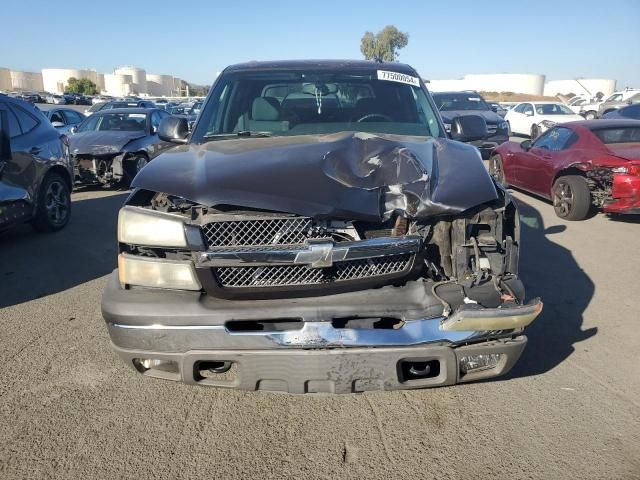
398,77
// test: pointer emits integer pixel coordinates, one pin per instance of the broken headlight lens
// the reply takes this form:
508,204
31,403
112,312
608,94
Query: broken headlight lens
154,272
141,226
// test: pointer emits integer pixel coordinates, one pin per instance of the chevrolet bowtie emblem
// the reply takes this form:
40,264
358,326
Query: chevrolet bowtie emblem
321,254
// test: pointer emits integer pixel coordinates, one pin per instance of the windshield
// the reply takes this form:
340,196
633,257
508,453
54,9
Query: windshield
618,135
196,108
96,106
120,122
447,102
553,109
298,102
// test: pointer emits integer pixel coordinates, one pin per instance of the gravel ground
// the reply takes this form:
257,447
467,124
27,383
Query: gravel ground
70,409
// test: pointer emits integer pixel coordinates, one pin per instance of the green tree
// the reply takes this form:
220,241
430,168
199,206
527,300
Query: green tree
384,45
83,86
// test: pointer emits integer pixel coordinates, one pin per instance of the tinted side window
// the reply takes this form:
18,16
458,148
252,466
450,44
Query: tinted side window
72,117
90,123
518,108
56,117
27,121
14,127
527,108
556,139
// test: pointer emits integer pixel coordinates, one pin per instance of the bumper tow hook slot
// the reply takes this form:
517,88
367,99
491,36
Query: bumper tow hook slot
420,370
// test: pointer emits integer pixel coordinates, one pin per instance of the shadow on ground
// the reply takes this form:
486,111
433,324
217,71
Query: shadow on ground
34,265
551,272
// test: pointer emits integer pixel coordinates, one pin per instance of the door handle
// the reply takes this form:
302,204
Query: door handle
35,150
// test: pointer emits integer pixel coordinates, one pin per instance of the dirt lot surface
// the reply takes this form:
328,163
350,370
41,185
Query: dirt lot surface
70,409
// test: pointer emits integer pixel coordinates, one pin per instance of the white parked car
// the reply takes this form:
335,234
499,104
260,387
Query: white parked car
535,118
55,99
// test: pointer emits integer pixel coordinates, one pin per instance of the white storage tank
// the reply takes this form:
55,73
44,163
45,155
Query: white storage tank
5,79
55,80
159,85
118,85
30,81
528,83
138,75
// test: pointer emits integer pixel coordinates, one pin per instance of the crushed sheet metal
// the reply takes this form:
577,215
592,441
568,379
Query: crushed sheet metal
349,175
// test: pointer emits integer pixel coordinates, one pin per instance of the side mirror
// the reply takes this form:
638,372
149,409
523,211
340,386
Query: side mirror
57,124
529,114
173,129
468,128
494,108
74,129
526,145
5,139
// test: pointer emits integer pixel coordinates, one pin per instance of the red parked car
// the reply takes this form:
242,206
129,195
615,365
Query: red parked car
577,165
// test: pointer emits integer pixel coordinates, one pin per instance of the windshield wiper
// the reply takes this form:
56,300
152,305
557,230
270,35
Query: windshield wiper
242,133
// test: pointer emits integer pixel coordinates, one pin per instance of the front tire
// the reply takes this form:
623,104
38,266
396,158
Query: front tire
54,204
496,170
590,115
571,197
133,167
535,131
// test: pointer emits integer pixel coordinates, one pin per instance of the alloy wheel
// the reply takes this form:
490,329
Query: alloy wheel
57,203
563,198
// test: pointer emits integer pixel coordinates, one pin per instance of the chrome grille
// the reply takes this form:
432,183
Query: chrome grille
259,231
491,129
283,276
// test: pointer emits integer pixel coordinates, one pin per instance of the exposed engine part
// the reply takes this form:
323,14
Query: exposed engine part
600,183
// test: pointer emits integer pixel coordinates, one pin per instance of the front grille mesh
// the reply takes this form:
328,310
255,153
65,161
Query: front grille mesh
262,231
283,276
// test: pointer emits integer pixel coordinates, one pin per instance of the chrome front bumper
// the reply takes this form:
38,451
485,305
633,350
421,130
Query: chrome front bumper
186,328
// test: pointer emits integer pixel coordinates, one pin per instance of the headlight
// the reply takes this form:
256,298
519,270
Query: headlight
548,124
503,126
155,272
140,226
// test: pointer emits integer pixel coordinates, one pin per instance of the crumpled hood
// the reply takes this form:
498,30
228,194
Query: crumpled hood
100,143
349,175
489,116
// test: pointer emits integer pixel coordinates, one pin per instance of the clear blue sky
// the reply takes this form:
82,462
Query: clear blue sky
561,38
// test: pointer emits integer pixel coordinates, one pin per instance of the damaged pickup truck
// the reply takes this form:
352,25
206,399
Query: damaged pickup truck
318,233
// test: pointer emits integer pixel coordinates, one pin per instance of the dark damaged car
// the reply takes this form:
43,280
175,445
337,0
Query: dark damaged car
111,147
318,232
